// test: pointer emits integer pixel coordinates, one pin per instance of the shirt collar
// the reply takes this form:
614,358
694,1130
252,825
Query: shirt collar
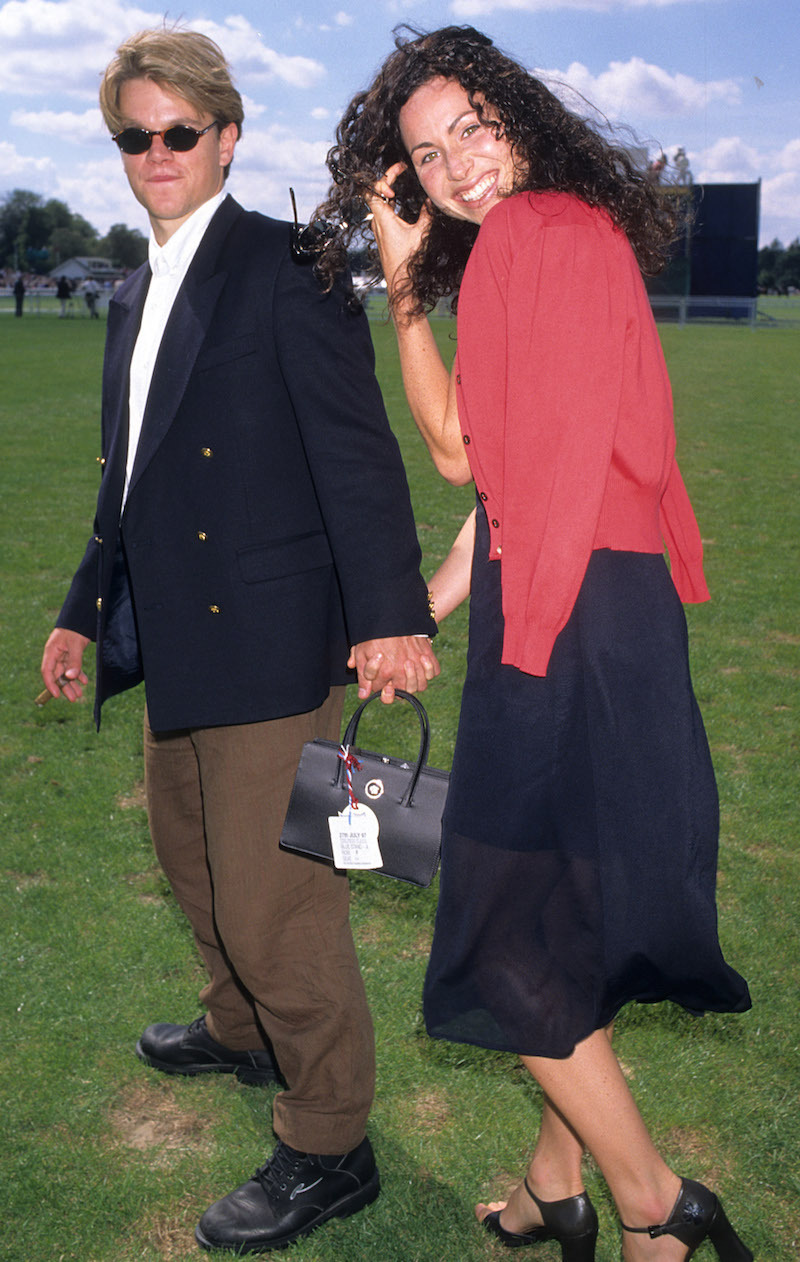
176,255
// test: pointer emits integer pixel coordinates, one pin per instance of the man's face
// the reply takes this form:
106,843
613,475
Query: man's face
170,185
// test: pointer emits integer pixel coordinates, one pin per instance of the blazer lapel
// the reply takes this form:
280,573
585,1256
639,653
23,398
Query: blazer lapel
124,318
186,329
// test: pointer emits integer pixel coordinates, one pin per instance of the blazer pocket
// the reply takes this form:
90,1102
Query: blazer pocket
294,555
226,352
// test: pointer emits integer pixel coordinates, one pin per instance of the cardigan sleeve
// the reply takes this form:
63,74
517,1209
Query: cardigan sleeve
558,300
682,537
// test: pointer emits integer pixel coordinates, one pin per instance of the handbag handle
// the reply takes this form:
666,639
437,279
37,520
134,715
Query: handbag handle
424,741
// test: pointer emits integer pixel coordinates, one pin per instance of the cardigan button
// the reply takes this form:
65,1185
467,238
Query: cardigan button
484,496
466,439
99,602
495,523
458,378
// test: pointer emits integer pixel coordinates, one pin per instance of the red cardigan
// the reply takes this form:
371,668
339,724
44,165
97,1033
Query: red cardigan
565,406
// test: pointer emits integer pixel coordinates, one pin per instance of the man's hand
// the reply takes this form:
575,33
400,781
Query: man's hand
62,664
401,661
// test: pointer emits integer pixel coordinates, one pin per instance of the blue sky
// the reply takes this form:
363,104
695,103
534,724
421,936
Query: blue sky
717,77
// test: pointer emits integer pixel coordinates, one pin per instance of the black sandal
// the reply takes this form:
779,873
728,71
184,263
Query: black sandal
698,1215
572,1222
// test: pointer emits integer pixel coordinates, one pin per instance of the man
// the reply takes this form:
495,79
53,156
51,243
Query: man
90,294
253,523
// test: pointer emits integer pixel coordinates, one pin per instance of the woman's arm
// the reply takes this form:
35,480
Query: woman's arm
430,388
450,584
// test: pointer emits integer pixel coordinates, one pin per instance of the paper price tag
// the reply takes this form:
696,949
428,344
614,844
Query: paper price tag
354,838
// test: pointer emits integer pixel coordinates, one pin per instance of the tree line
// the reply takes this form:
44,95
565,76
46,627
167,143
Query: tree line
779,267
37,234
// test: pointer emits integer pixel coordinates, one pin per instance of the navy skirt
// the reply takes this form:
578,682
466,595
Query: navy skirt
580,836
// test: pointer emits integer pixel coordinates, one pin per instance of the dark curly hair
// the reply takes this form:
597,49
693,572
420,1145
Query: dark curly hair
553,148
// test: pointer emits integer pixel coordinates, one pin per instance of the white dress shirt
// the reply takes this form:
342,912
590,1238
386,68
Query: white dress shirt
169,265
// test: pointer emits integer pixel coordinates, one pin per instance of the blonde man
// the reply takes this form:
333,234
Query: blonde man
253,523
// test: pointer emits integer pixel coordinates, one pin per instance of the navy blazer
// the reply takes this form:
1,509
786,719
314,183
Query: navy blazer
268,524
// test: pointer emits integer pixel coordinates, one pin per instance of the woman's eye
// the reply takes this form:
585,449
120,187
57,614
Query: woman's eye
473,127
427,157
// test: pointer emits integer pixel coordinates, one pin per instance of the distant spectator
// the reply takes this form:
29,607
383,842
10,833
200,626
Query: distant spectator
19,294
90,292
656,167
64,294
682,163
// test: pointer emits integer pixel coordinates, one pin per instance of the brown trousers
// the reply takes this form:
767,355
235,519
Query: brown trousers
273,928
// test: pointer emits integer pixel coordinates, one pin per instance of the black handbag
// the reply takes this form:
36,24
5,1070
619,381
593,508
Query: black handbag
344,788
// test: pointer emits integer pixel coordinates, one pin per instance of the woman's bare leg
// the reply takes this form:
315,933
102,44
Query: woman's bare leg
589,1091
554,1173
588,1105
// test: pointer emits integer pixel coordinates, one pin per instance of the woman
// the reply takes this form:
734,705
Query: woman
580,835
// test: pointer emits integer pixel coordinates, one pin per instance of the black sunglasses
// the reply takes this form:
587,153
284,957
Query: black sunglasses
179,138
309,240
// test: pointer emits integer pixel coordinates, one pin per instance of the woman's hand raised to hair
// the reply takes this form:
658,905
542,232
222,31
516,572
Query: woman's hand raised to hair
397,240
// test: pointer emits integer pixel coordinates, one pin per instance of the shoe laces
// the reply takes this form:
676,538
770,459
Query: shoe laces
280,1170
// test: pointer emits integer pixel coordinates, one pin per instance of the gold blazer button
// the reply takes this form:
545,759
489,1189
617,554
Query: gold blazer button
214,609
207,452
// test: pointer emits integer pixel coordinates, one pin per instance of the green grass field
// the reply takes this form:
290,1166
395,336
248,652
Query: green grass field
105,1161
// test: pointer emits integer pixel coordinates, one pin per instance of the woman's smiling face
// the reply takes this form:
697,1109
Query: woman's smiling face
462,165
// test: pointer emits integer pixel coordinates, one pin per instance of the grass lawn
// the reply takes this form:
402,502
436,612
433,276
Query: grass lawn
103,1160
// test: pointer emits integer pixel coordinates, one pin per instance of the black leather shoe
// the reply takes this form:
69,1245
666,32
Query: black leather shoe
190,1050
290,1196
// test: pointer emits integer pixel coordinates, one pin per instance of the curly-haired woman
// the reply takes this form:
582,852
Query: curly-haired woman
580,835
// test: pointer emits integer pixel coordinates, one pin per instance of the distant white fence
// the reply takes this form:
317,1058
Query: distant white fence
683,309
45,302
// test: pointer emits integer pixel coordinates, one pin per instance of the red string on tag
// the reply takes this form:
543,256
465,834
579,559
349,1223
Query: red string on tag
350,761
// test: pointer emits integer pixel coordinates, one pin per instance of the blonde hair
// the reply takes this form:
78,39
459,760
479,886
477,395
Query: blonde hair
186,63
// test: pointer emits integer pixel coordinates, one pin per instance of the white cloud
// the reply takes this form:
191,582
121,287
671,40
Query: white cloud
731,161
271,160
344,19
252,109
780,199
245,49
633,89
474,8
81,129
49,46
15,167
788,158
99,191
277,148
728,161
